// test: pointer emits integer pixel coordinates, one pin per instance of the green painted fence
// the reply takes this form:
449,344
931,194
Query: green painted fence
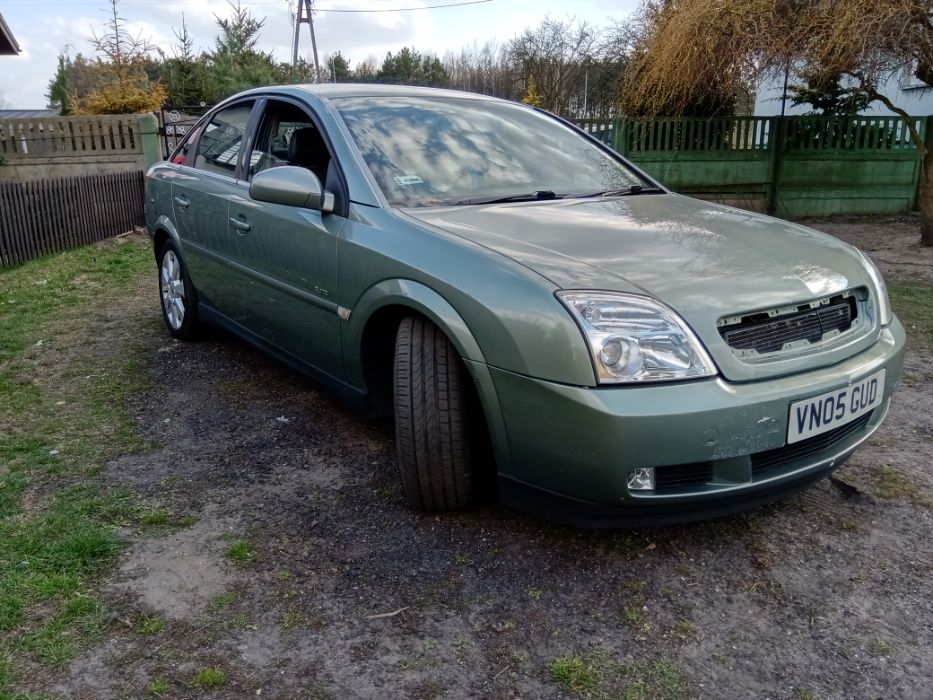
790,166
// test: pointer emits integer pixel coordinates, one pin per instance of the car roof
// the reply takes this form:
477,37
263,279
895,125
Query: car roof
336,90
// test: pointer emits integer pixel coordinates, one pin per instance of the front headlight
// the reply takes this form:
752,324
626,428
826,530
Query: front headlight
881,290
636,339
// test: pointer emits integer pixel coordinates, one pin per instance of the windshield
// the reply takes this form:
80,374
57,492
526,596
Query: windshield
434,151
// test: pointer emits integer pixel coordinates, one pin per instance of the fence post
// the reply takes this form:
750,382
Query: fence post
776,145
618,136
924,199
149,136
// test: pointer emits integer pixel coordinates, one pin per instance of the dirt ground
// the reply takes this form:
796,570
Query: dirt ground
299,572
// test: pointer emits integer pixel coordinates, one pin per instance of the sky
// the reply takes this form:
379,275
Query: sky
46,28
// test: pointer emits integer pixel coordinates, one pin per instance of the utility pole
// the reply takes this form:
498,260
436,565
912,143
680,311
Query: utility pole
304,16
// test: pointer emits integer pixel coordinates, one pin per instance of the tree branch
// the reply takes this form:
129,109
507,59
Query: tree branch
908,120
875,96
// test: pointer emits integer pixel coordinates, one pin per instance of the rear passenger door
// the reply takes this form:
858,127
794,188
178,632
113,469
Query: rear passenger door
286,256
201,193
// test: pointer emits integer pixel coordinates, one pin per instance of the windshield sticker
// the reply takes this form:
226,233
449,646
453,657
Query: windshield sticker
408,180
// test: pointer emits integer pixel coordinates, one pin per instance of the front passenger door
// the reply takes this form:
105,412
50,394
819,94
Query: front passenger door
286,256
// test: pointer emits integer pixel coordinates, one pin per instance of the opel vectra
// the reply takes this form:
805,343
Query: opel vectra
524,301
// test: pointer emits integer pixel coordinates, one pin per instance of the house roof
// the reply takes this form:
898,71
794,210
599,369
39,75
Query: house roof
8,45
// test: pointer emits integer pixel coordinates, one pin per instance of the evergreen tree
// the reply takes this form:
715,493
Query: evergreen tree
338,67
125,86
531,96
827,94
235,64
185,73
409,67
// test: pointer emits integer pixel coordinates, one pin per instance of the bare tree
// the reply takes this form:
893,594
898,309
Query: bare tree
555,54
563,66
485,69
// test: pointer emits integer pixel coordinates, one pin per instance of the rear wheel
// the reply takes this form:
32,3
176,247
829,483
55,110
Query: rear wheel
177,294
431,418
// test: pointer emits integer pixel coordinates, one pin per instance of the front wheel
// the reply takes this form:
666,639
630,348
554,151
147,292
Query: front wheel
431,418
177,294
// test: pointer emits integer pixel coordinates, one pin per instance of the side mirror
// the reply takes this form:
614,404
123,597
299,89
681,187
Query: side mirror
293,187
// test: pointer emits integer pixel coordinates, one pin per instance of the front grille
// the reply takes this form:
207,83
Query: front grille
679,476
781,456
770,331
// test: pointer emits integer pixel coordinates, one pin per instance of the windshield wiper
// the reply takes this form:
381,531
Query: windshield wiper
633,189
536,196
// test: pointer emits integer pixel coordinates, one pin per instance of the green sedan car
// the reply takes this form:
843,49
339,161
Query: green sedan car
526,303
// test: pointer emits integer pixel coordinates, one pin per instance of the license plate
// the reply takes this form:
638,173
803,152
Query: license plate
820,414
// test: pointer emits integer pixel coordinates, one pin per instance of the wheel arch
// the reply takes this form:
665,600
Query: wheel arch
162,231
371,330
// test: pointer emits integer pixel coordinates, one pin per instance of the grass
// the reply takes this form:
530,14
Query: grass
292,619
155,517
682,631
633,614
151,624
157,521
659,680
61,419
241,552
913,304
598,675
889,483
573,674
208,678
222,601
158,688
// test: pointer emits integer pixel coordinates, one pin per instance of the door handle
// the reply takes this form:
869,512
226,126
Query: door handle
239,224
183,202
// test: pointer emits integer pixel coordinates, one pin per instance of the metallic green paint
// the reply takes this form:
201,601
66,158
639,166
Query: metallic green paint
199,205
703,260
287,266
508,308
583,442
306,285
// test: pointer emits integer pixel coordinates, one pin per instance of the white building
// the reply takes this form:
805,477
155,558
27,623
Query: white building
907,93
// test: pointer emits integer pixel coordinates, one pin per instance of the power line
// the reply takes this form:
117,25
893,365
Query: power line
247,3
411,9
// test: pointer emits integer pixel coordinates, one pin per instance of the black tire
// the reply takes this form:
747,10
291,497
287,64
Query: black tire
431,418
189,326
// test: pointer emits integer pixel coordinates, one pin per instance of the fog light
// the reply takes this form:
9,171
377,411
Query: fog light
641,479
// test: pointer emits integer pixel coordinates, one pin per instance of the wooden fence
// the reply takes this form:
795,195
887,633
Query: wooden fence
792,166
49,216
117,133
53,147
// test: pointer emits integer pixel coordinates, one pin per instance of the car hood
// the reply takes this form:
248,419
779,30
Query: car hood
704,260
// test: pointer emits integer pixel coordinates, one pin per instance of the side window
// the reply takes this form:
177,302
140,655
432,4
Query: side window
219,145
287,136
180,154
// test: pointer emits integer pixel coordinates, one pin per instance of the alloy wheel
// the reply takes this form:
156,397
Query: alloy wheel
172,287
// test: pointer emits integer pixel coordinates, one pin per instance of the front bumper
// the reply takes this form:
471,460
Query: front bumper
570,449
